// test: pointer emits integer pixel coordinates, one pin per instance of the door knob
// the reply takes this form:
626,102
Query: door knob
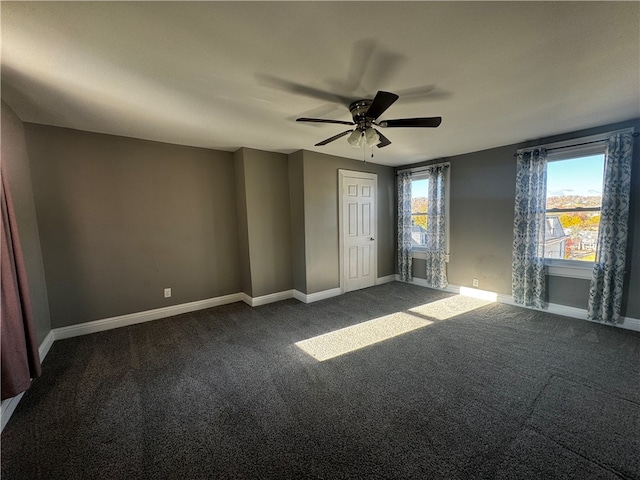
371,238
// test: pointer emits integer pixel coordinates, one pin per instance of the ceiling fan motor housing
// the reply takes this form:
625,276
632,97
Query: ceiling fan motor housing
358,111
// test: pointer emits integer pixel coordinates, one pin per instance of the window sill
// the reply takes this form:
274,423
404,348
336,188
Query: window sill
569,268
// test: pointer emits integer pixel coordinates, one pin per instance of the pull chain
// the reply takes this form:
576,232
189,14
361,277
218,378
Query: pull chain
364,153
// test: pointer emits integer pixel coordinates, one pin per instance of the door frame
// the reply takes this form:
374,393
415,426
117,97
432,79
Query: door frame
342,174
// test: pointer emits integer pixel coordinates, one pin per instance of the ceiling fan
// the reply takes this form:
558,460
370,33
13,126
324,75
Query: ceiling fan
365,113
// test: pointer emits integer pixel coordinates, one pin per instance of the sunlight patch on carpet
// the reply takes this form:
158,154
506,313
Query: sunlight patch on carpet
450,307
345,340
355,337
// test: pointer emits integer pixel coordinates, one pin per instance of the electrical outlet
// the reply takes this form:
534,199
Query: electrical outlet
167,292
475,282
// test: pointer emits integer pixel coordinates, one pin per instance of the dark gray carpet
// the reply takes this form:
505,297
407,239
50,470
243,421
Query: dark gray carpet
499,392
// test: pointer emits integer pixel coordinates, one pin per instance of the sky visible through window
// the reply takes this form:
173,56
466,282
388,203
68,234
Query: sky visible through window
419,188
578,176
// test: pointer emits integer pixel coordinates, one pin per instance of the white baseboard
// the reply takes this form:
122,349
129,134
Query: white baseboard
565,311
452,289
386,279
627,323
265,299
334,292
314,297
45,346
630,323
7,408
301,297
140,317
421,282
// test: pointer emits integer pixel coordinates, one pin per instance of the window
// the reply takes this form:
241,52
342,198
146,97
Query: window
420,208
419,204
574,197
575,175
578,174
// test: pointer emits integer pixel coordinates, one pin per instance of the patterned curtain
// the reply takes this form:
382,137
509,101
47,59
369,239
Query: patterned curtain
528,281
404,226
605,293
436,274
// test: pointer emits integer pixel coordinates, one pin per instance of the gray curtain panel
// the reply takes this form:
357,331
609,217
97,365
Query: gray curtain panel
528,275
436,271
605,293
404,226
20,358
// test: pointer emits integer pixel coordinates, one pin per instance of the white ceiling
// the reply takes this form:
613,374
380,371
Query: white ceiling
225,74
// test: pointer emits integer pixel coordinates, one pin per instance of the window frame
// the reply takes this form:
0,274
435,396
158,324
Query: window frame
577,148
418,174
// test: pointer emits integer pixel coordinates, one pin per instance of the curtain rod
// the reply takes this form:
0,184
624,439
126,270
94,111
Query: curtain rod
576,145
522,150
600,140
422,168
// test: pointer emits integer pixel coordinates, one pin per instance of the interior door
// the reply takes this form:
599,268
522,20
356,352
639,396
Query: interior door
359,247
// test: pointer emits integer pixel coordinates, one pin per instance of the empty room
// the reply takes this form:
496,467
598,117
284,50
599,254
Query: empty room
320,240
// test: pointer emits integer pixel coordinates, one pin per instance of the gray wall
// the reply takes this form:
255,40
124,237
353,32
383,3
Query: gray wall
572,292
296,202
120,219
322,252
631,298
16,164
482,194
482,199
266,190
243,227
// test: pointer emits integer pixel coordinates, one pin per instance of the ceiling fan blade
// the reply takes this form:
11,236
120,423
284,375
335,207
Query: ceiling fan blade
412,122
424,93
335,137
361,53
384,141
299,89
381,102
323,120
385,65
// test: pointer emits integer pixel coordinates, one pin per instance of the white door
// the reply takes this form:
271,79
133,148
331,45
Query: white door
358,232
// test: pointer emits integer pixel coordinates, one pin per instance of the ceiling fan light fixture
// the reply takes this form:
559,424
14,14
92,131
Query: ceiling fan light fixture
371,137
356,139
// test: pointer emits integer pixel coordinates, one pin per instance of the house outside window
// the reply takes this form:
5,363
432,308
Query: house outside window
555,238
